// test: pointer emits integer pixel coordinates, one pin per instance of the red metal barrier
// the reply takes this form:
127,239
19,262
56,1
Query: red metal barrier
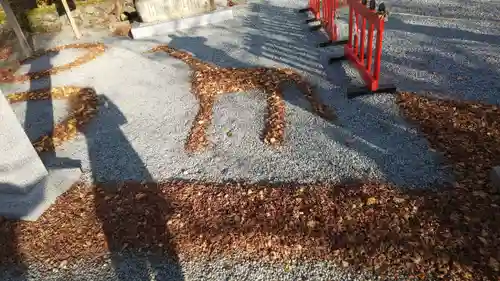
314,7
328,15
362,18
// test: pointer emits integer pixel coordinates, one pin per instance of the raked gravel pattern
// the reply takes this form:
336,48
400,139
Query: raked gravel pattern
148,109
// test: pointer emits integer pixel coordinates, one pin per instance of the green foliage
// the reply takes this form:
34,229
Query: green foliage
2,17
30,19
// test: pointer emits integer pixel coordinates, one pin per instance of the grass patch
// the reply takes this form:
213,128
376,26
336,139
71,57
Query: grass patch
47,9
52,8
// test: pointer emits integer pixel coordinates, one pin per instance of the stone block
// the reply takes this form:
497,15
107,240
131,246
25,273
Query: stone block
32,205
162,10
221,3
27,189
144,30
20,167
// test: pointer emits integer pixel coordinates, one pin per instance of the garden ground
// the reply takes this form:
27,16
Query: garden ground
397,186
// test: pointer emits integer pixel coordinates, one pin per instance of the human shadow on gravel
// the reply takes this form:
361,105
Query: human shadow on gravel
133,218
38,120
12,264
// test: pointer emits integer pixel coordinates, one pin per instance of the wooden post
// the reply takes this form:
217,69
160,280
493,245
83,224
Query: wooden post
12,21
71,20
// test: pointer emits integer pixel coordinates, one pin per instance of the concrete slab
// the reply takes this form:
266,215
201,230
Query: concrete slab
27,189
31,206
143,30
140,134
20,166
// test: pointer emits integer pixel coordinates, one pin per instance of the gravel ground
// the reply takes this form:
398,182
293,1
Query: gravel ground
137,268
474,10
141,134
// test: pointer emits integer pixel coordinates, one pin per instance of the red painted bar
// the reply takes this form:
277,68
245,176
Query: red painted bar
331,21
362,43
318,8
366,13
328,12
378,50
370,48
315,6
355,48
371,83
349,42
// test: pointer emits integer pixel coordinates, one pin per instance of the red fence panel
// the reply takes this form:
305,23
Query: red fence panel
325,11
329,15
314,7
362,18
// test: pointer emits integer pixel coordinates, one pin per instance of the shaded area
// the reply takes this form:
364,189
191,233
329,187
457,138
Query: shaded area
371,127
443,233
39,116
474,10
456,63
126,224
11,253
280,34
20,9
441,32
12,262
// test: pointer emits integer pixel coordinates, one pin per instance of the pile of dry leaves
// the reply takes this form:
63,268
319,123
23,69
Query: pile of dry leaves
450,233
210,82
94,50
83,106
83,101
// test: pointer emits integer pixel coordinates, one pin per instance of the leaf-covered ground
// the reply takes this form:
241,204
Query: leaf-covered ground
450,233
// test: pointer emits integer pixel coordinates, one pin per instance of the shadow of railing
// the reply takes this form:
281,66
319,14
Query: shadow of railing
457,63
474,10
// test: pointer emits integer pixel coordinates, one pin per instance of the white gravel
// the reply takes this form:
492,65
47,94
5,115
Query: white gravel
128,268
142,132
429,45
